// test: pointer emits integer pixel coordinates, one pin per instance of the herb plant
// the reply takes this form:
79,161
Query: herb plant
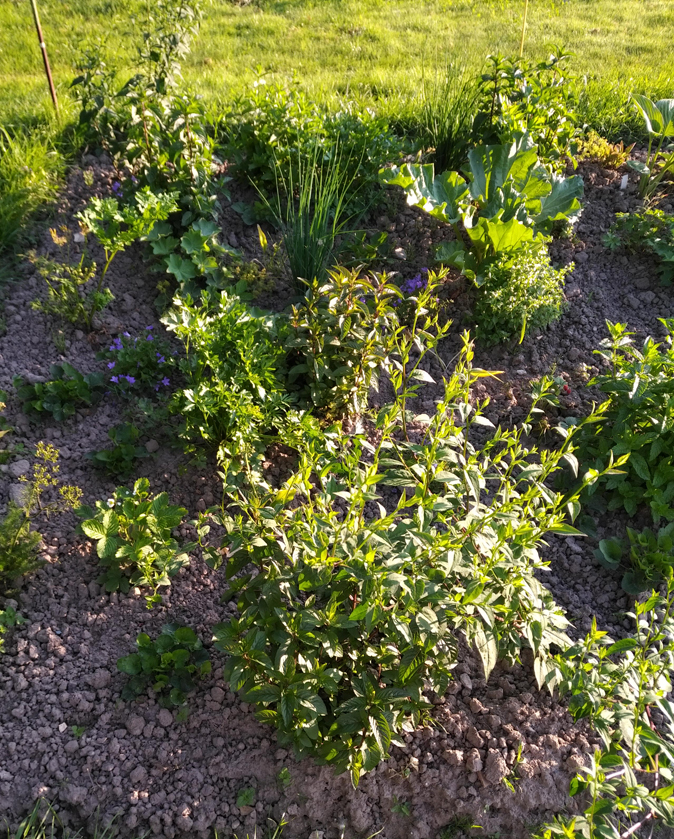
67,390
659,120
133,539
232,357
170,665
355,575
518,292
652,231
120,459
638,421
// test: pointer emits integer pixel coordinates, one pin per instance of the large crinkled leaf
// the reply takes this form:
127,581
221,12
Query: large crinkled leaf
562,202
666,108
503,235
493,166
440,196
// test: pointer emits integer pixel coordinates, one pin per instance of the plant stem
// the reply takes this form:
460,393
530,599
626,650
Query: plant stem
524,26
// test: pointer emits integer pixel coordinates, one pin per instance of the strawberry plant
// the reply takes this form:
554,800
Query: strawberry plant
67,390
133,539
170,665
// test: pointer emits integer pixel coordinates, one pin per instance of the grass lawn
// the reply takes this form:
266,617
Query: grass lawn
375,51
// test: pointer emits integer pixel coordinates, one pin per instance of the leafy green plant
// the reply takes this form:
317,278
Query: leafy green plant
133,539
246,797
9,618
232,358
140,363
67,294
170,665
448,104
652,231
18,542
339,339
621,688
510,200
67,390
518,292
401,807
638,421
120,459
659,120
348,610
650,557
518,96
609,155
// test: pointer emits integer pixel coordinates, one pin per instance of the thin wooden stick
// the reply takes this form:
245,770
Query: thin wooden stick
45,58
524,27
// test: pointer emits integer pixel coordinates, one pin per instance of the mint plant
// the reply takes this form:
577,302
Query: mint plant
638,421
170,665
133,539
120,459
349,609
67,390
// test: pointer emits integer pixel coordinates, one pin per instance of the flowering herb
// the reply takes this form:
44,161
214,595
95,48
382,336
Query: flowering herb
138,364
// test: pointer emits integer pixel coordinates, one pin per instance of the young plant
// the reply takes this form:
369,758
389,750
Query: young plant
139,364
67,294
120,459
133,539
659,120
638,420
650,557
651,231
609,155
9,618
510,200
67,390
519,292
349,609
18,542
170,665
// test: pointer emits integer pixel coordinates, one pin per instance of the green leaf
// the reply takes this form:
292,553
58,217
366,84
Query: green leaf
439,196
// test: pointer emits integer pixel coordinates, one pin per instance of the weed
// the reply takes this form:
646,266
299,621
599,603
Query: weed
284,777
246,797
651,231
401,807
169,665
78,730
9,618
120,459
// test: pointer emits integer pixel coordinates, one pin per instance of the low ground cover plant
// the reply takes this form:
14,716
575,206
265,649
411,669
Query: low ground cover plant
170,665
652,231
610,155
352,611
139,364
132,531
63,394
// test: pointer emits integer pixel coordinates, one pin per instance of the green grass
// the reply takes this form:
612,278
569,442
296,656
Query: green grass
372,50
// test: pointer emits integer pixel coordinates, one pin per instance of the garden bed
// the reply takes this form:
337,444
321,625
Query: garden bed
497,754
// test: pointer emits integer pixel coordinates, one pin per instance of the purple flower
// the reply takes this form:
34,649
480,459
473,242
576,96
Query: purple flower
111,365
165,381
149,338
117,188
114,379
149,327
134,179
126,334
161,358
414,284
130,380
116,345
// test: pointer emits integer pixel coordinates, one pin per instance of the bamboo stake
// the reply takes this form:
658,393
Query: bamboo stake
45,58
524,27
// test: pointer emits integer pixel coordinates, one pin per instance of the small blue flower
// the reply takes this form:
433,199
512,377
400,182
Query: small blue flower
130,380
111,365
161,358
114,379
165,381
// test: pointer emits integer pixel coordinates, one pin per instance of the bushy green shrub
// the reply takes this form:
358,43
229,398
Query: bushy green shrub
517,293
232,359
638,421
348,609
133,539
